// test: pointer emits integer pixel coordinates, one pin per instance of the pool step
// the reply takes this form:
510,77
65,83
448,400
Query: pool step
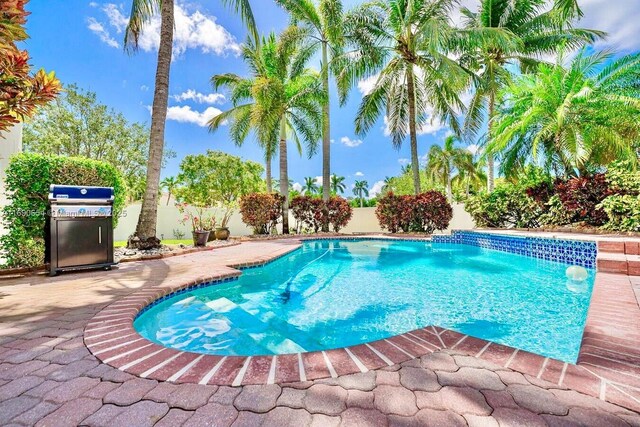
619,257
263,334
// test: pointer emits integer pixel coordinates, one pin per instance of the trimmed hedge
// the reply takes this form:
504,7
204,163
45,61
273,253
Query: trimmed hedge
312,213
27,186
423,213
261,211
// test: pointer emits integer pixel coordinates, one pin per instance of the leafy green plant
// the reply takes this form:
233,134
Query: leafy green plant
27,185
623,212
506,206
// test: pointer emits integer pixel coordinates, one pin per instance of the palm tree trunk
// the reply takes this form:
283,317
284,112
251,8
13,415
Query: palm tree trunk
361,202
326,133
148,218
415,165
168,196
284,177
490,165
449,189
268,173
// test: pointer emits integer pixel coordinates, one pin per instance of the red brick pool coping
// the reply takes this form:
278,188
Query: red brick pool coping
608,366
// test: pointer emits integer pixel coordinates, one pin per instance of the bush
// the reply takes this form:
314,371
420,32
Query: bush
425,212
506,206
261,211
623,212
312,214
27,185
581,196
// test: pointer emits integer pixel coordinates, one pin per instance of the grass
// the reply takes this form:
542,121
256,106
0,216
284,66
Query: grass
123,243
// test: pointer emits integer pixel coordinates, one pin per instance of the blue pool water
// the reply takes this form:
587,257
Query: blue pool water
331,294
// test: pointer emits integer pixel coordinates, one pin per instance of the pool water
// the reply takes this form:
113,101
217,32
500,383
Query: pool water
330,294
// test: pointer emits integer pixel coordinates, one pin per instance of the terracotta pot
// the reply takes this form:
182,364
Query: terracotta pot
200,238
222,233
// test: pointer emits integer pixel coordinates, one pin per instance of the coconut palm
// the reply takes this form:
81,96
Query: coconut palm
169,183
310,186
442,161
404,44
142,11
571,119
504,33
472,178
239,115
322,24
287,100
337,184
361,190
388,184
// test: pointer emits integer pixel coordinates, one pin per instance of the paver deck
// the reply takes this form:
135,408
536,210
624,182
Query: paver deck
49,377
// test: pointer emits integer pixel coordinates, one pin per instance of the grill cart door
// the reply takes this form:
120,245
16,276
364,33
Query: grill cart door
80,228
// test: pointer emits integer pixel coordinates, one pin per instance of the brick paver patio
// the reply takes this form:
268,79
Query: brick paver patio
48,377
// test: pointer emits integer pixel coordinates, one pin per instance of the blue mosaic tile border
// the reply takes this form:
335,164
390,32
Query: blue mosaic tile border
576,252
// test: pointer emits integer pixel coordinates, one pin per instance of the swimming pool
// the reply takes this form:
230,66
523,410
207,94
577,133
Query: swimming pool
334,293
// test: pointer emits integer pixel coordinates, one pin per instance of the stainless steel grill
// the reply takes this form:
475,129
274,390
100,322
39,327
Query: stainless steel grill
80,228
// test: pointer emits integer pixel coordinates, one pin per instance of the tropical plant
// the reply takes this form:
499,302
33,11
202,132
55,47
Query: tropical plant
404,45
571,120
310,186
425,212
170,183
442,161
472,178
337,184
261,211
314,214
502,34
322,25
361,190
141,13
20,92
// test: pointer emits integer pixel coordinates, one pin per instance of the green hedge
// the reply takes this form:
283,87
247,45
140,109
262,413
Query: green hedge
27,186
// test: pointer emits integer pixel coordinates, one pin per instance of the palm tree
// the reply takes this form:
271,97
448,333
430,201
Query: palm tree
169,183
388,184
287,100
310,186
337,184
506,33
571,119
443,161
404,43
141,13
322,24
472,178
361,190
240,115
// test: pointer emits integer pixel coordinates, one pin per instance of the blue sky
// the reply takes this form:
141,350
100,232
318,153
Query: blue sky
82,42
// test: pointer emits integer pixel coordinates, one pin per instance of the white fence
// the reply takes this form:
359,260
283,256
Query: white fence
364,221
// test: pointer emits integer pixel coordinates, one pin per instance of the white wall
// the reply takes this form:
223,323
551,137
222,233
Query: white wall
364,221
10,144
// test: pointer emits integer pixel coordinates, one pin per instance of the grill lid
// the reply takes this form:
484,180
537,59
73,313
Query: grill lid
82,194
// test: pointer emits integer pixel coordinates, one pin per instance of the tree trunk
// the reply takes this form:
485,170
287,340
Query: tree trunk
449,189
415,162
147,220
490,165
326,132
268,172
168,197
284,177
361,202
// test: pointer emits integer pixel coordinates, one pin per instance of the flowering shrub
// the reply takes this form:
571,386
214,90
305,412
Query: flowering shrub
197,217
581,196
425,212
261,211
311,213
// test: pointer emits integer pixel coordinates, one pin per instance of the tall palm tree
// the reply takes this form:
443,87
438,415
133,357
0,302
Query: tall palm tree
240,115
473,178
323,24
361,190
169,183
310,186
388,184
504,33
404,43
287,100
337,184
443,161
571,119
141,13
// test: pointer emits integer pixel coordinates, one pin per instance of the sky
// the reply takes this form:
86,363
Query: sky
82,42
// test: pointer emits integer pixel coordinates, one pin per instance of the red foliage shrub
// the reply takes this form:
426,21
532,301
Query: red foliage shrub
312,213
540,193
425,212
580,196
261,211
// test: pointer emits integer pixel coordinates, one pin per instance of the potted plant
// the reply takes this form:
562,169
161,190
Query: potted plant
222,233
196,217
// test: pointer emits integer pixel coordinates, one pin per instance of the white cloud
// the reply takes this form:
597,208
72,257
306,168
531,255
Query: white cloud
297,186
365,86
619,19
200,98
184,114
376,189
98,29
93,4
193,30
144,88
350,142
358,174
404,161
430,127
473,148
318,180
